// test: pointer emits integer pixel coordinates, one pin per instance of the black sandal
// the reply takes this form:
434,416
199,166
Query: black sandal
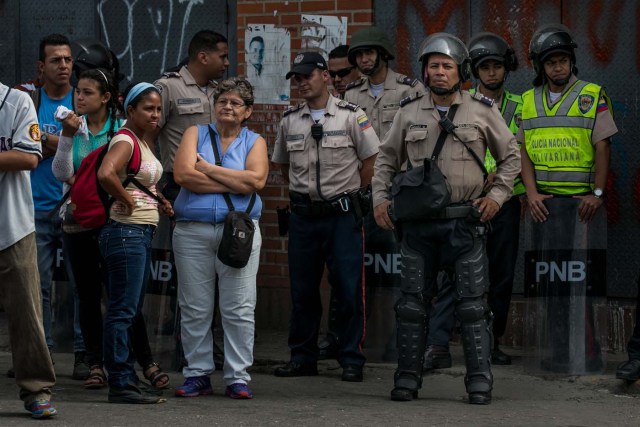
96,379
158,379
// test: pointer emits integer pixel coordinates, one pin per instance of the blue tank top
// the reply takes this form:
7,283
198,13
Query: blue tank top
211,207
47,190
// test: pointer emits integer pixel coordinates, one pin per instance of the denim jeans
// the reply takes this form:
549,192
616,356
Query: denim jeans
84,260
126,249
48,240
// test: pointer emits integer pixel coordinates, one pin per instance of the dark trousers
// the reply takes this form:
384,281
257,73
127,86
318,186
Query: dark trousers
502,252
87,266
634,343
336,241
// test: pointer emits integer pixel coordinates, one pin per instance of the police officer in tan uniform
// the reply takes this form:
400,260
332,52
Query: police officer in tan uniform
380,89
187,97
453,239
325,149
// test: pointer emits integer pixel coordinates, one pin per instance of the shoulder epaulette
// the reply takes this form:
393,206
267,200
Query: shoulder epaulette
292,109
348,105
409,81
356,83
408,99
484,99
170,74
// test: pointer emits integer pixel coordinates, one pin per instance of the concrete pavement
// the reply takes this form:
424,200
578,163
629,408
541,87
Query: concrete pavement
518,398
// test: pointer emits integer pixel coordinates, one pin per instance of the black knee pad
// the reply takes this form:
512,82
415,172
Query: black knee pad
470,311
410,309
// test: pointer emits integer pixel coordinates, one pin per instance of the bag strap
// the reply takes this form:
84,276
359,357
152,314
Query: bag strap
216,155
443,133
133,167
5,97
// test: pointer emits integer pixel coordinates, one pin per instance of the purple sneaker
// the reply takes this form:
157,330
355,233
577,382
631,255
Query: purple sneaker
238,391
40,408
195,386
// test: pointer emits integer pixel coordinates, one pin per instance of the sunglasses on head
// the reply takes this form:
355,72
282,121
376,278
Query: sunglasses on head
341,73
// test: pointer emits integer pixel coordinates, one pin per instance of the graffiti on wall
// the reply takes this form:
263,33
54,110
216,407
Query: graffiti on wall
323,33
146,38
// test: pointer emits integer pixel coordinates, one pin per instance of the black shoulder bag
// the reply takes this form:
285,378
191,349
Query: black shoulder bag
237,235
423,191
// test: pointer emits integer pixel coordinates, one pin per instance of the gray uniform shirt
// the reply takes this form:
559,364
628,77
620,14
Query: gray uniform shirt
184,105
348,138
18,131
414,134
382,109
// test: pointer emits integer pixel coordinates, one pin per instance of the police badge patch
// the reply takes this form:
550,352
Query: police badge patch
34,132
585,102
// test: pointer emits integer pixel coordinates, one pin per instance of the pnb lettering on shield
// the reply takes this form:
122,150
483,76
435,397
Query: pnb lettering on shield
565,271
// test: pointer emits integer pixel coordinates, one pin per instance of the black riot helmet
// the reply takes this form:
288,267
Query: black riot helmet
370,38
485,46
548,40
89,54
446,44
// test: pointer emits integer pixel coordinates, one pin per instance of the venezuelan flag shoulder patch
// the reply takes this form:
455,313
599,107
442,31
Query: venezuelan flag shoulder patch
363,122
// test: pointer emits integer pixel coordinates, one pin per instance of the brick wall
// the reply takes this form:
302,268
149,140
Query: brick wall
273,284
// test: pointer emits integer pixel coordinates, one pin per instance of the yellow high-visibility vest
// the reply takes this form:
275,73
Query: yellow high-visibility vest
558,139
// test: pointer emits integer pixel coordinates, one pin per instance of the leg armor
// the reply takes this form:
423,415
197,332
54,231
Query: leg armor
473,313
411,321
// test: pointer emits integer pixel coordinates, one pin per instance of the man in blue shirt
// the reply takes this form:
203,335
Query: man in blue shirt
54,66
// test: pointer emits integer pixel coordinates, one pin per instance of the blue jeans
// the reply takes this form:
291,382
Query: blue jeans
48,240
126,249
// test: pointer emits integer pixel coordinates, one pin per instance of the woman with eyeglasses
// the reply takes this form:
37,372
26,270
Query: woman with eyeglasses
201,210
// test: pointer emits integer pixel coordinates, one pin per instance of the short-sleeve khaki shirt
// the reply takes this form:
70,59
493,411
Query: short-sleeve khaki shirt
382,109
347,140
414,134
184,104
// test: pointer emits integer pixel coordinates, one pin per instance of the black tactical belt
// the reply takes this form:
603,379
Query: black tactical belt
302,204
453,212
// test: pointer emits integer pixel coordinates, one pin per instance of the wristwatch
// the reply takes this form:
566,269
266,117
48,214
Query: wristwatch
44,138
598,193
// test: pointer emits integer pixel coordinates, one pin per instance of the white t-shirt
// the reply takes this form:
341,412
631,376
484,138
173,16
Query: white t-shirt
18,131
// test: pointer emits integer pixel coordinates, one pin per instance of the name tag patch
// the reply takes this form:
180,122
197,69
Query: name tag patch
418,126
295,137
187,101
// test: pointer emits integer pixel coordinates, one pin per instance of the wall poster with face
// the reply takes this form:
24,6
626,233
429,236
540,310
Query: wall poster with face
268,58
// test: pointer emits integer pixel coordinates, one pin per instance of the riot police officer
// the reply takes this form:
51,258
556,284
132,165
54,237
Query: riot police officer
379,91
548,112
491,61
325,149
565,135
451,238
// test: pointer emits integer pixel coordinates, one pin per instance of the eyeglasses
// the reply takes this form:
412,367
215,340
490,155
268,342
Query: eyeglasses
344,72
222,102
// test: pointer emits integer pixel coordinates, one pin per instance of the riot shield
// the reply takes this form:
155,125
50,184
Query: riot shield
565,289
160,307
382,281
